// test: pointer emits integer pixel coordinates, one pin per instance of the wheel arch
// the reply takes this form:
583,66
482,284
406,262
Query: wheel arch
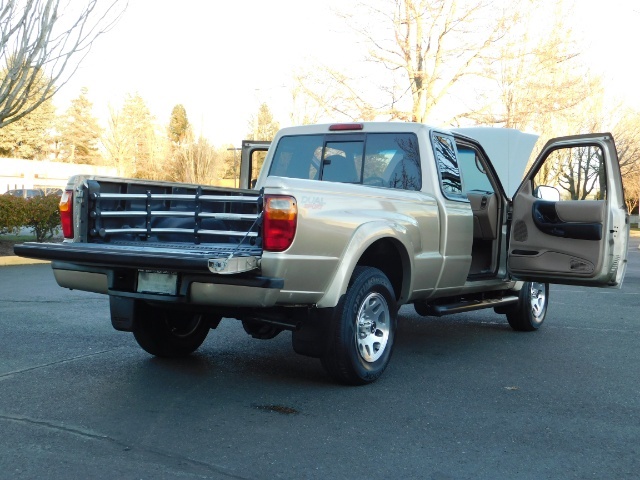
384,247
389,255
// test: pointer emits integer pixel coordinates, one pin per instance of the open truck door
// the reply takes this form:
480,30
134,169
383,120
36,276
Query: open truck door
570,224
251,159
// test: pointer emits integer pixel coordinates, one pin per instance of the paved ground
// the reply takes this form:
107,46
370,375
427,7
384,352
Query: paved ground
463,398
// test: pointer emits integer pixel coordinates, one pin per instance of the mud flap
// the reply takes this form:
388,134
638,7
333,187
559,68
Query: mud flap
312,338
123,313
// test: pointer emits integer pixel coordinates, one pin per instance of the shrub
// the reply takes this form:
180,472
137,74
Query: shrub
12,213
42,216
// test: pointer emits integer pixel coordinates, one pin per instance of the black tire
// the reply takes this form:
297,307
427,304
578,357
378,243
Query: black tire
529,313
168,333
362,330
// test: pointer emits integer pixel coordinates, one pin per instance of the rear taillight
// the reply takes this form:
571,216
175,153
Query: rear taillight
66,213
280,216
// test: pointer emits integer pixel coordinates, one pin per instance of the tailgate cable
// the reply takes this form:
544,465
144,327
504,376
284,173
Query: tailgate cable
222,265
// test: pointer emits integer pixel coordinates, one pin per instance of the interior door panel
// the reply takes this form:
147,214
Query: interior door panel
578,221
580,239
536,247
485,214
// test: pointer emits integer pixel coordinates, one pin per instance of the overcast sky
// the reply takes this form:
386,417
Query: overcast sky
221,59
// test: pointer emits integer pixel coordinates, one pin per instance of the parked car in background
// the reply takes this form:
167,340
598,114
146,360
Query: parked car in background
53,191
26,192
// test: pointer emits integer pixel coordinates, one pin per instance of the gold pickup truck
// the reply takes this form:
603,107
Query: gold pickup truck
344,224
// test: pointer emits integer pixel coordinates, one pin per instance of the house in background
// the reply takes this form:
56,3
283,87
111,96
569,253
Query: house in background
18,174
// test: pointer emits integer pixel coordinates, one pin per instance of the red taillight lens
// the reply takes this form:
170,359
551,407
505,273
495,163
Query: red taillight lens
66,213
338,127
279,222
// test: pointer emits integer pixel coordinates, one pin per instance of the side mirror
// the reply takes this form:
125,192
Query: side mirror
546,192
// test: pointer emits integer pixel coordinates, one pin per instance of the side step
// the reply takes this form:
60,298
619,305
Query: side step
465,306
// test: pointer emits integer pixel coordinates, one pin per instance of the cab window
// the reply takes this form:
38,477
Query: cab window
392,160
297,156
474,172
445,153
572,173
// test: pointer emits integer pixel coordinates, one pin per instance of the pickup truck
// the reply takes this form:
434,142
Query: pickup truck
346,223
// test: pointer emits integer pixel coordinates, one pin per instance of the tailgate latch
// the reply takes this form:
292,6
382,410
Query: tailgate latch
230,265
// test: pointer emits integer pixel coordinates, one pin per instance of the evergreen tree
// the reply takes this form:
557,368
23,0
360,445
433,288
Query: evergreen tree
179,126
80,132
29,137
262,125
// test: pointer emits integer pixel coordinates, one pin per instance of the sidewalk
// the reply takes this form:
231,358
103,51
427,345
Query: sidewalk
9,260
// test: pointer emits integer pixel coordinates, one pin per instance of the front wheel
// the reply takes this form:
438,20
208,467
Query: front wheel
363,329
168,333
528,314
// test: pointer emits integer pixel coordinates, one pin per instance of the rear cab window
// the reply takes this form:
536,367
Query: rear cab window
389,160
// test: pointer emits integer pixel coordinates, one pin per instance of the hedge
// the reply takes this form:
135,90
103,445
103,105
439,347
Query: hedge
40,214
12,213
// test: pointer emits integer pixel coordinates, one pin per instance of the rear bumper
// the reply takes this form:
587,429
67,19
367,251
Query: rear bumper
193,289
113,270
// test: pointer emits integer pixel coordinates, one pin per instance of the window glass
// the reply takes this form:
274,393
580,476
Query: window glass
257,159
392,160
297,156
342,162
387,160
473,171
576,173
448,168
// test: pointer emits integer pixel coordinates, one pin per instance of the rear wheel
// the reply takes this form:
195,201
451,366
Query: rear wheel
363,329
168,333
529,313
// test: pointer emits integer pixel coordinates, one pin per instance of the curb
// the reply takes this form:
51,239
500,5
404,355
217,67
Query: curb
11,260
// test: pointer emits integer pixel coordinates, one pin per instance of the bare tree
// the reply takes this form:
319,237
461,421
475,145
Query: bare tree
305,110
46,39
537,81
418,50
117,144
437,43
328,93
627,135
196,162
